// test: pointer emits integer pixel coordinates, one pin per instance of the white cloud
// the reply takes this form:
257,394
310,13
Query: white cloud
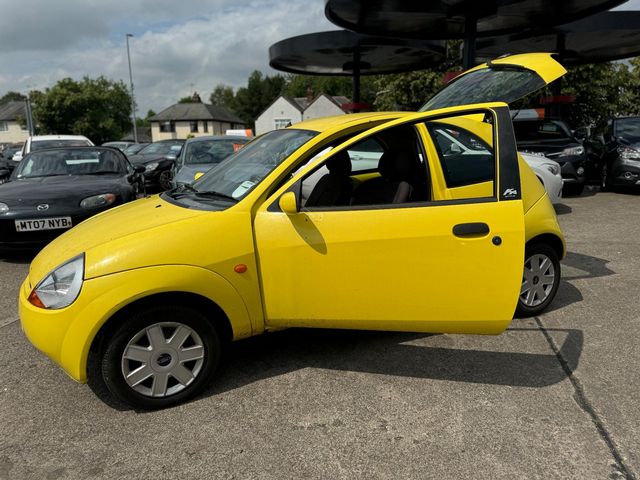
222,43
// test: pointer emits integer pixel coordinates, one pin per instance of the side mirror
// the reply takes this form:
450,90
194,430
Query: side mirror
139,169
288,203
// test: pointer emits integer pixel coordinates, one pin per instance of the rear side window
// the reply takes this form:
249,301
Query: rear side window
465,158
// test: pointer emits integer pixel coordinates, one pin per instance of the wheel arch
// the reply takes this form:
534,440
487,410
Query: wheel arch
549,239
204,305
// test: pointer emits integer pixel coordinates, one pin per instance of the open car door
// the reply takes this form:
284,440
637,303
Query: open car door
406,264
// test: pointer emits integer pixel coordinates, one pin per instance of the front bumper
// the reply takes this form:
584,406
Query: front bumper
572,170
626,174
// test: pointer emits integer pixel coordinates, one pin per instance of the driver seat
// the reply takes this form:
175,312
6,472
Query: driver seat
335,187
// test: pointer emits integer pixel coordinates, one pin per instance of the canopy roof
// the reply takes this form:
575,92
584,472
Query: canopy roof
442,19
347,53
602,37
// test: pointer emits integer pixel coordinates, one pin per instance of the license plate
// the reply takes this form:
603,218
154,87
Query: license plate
53,223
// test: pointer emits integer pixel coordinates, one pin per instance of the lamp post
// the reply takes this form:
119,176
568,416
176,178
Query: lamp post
133,102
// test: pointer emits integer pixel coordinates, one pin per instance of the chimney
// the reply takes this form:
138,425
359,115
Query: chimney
195,98
309,95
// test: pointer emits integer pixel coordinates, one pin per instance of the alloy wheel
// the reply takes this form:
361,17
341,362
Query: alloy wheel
537,281
163,359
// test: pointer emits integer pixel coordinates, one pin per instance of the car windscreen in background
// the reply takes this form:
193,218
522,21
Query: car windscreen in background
44,144
494,84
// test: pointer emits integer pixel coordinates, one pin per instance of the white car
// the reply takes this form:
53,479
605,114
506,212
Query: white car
548,172
40,142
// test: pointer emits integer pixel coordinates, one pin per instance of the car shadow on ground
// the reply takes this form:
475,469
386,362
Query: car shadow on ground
18,256
580,267
387,353
562,209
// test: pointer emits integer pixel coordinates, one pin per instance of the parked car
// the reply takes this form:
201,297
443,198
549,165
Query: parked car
553,138
615,151
42,142
139,300
200,154
158,159
51,191
120,145
134,148
452,142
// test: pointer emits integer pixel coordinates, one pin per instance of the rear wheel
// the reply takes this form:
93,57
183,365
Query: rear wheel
158,357
540,280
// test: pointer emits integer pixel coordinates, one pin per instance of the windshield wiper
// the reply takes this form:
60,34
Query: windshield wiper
211,193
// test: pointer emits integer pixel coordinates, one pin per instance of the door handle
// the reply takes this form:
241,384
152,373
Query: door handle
474,229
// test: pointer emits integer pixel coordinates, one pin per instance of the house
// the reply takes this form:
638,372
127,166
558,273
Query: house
286,111
193,119
13,128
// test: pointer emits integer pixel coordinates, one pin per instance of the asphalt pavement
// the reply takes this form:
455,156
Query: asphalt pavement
553,397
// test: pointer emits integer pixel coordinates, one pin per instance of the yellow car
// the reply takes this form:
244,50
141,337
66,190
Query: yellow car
298,229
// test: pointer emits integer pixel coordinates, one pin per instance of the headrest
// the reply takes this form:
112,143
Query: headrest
340,163
396,166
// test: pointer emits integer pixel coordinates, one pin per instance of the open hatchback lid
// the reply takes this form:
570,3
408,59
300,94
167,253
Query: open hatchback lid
505,79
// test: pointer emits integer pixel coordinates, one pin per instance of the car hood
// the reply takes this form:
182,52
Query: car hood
142,159
57,189
187,173
536,160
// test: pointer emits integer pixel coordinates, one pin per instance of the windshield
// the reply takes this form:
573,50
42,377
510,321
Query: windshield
162,148
252,163
487,85
211,151
628,129
62,161
43,144
541,130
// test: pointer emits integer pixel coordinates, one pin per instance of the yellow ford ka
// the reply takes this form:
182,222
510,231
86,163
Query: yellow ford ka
369,221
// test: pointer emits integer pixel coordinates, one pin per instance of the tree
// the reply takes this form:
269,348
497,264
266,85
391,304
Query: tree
188,99
260,92
99,109
12,96
223,96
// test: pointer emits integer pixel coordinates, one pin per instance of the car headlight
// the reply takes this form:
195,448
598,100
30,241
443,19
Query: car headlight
98,200
572,151
553,168
4,207
150,167
626,153
61,287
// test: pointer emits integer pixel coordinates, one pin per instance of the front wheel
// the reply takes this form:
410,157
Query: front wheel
158,357
164,179
540,280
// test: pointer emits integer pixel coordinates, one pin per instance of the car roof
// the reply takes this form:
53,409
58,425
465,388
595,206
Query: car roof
327,123
37,138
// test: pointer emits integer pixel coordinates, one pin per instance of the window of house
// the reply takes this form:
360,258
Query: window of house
4,127
205,126
167,127
281,123
193,126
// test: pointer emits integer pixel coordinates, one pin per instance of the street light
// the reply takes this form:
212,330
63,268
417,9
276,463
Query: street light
133,103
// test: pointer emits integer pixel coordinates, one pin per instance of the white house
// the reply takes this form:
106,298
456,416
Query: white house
286,111
12,126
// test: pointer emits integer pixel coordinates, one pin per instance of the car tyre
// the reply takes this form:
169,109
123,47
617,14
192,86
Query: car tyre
164,179
540,280
605,179
156,358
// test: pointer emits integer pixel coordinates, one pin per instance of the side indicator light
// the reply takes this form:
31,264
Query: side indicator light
35,300
240,268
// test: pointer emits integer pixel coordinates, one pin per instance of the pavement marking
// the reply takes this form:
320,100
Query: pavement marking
580,397
7,321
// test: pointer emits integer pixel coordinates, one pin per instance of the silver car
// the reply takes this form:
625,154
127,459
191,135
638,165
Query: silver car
200,154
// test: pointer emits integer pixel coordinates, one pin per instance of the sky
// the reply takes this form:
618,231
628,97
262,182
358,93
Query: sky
178,47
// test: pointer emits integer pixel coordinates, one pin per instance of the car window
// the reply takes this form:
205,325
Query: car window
44,144
62,161
210,151
628,129
465,158
540,130
384,169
